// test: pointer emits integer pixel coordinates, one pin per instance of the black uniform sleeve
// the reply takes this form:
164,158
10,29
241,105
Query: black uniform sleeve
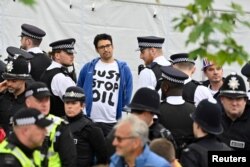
8,160
97,142
65,146
189,158
109,141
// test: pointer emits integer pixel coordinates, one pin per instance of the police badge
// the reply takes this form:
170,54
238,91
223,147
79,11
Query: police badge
9,66
233,83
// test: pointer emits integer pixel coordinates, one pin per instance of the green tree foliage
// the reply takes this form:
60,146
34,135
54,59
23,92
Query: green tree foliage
28,2
213,32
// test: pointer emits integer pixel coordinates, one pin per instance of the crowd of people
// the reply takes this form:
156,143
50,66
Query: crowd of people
50,117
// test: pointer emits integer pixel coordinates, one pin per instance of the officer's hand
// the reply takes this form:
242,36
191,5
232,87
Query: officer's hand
3,86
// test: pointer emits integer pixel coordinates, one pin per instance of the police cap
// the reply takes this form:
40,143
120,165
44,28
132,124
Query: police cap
64,44
32,31
38,90
145,99
233,86
246,70
30,116
14,52
17,69
208,116
150,42
74,93
173,75
181,57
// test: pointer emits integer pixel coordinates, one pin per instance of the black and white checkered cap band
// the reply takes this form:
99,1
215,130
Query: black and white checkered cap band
233,92
172,79
39,90
30,35
64,46
183,60
29,93
28,120
149,45
73,94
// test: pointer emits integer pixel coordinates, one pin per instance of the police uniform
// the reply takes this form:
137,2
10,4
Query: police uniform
9,103
193,91
41,60
175,110
236,132
14,53
88,138
2,67
246,72
208,117
58,147
58,78
150,75
12,151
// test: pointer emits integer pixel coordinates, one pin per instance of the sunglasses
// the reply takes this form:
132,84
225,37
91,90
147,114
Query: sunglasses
120,139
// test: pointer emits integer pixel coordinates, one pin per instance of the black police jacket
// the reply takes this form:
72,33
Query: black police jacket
9,105
39,63
196,154
236,133
189,91
56,104
89,141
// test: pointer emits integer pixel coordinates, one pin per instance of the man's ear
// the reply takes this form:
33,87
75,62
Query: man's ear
164,87
57,55
193,70
137,143
27,102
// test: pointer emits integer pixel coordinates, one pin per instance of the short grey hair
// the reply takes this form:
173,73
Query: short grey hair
138,127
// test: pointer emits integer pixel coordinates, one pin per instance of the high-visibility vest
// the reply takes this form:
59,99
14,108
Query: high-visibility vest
8,148
52,155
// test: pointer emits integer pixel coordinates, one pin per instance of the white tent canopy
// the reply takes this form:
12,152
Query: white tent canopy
123,19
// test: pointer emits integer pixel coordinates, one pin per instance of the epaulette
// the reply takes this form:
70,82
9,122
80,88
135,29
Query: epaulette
151,65
196,82
64,70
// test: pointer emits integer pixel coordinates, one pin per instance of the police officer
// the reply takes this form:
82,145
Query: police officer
58,148
57,76
13,87
2,68
145,104
246,72
88,138
236,115
152,55
206,126
193,91
31,38
29,130
174,109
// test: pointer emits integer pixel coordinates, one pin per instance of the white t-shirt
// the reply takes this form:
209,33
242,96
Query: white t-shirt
106,83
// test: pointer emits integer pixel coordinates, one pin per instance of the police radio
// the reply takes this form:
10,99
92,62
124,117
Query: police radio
140,68
167,134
